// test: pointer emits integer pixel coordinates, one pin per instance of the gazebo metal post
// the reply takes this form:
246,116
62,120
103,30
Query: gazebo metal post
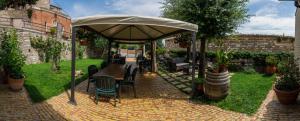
72,98
109,51
193,63
153,56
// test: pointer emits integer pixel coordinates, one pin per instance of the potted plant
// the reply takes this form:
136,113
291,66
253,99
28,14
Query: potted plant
199,85
216,84
287,85
83,42
271,62
12,60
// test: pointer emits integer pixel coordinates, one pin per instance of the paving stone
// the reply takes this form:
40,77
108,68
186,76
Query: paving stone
181,86
188,90
156,100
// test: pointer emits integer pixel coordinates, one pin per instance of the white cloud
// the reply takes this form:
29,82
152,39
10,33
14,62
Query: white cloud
138,7
266,20
80,10
269,25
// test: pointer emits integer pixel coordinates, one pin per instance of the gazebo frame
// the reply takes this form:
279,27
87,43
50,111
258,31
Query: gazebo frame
147,28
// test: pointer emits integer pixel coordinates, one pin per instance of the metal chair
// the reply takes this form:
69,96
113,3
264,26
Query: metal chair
106,86
130,81
92,69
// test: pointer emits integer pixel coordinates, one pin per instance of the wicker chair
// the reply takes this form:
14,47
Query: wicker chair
92,69
106,86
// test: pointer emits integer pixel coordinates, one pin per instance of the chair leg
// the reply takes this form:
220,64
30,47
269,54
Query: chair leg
134,91
97,98
88,86
115,100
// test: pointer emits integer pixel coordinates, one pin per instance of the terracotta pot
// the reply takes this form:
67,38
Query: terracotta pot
84,42
200,88
16,84
287,97
270,69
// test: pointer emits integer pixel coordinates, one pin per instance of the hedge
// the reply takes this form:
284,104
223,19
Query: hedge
258,57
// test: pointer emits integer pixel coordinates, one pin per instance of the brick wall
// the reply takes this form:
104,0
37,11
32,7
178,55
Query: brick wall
259,43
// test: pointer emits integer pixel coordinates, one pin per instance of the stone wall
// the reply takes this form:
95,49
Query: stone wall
258,43
24,34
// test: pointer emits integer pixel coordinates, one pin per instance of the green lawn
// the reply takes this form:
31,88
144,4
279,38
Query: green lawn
42,83
247,91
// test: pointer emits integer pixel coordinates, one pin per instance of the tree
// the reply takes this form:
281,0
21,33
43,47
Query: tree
15,3
215,19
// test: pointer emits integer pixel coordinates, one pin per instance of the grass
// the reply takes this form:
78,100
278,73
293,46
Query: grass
42,83
247,92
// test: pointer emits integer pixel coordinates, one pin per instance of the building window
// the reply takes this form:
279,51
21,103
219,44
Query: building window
54,23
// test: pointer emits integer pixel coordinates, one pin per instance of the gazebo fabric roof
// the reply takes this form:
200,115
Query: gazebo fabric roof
134,29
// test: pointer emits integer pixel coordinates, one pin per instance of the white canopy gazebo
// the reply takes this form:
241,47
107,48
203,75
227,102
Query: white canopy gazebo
131,30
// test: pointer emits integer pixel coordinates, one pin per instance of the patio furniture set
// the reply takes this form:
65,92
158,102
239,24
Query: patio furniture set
109,80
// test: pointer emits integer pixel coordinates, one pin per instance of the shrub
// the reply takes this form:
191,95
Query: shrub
51,48
289,75
249,70
161,51
12,57
271,60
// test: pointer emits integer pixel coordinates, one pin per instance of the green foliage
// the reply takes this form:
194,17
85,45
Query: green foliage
101,44
215,18
80,50
124,46
258,57
199,80
160,43
161,51
15,3
289,75
249,70
42,84
271,60
223,57
178,53
49,49
11,55
55,48
53,31
29,13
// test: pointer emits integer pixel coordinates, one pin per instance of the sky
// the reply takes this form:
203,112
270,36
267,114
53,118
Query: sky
270,17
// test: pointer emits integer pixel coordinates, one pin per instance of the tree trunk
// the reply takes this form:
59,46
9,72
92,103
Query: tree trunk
202,60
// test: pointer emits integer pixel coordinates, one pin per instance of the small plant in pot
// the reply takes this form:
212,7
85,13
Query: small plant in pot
216,84
12,60
287,85
199,85
271,62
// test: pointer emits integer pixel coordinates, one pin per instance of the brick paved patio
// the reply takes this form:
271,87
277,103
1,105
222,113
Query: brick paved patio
157,100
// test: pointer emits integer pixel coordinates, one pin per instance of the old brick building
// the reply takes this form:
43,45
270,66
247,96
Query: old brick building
46,14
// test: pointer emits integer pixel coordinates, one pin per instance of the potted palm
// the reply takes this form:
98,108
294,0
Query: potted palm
271,62
287,85
216,84
12,60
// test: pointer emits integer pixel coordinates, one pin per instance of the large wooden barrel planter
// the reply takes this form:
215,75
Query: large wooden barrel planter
216,85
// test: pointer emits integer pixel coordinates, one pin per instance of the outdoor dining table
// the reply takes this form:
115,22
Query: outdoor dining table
114,70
